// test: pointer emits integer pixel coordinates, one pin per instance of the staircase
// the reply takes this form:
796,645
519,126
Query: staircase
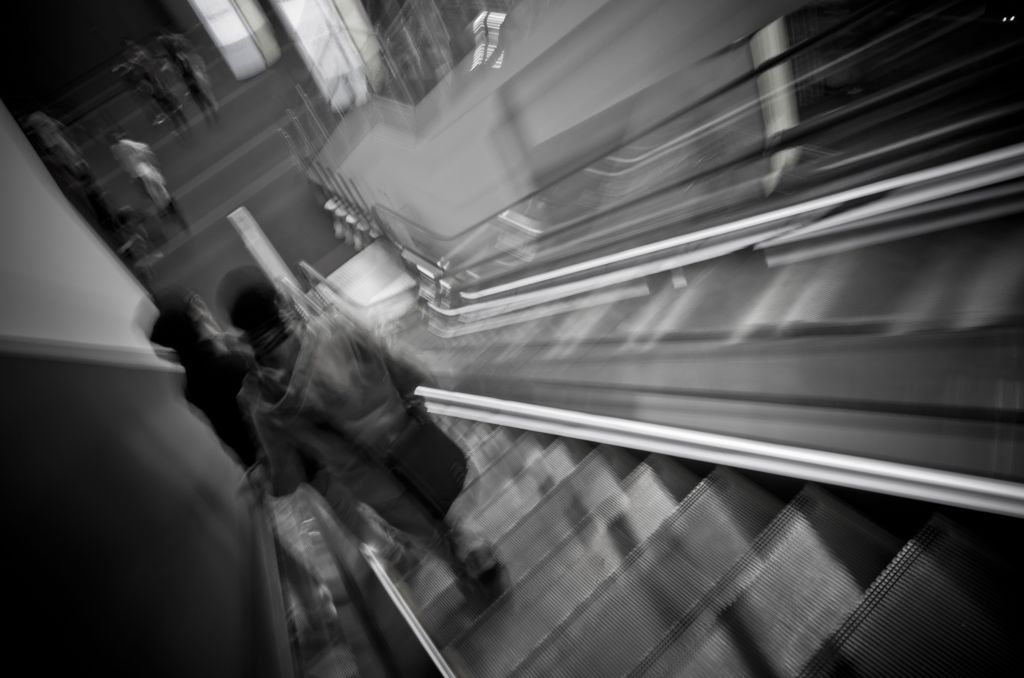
627,563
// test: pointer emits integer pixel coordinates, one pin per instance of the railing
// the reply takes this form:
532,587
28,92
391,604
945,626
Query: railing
873,475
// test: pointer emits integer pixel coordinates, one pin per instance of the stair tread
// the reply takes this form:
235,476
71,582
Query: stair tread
808,570
549,593
493,480
709,531
524,491
534,535
930,614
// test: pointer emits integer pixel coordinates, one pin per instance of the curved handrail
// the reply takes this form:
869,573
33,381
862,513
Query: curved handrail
1009,153
873,475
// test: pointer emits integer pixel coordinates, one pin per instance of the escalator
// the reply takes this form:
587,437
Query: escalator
625,562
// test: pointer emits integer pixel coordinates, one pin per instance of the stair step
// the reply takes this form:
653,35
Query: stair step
498,476
943,607
805,574
599,476
552,521
708,533
548,594
524,492
488,450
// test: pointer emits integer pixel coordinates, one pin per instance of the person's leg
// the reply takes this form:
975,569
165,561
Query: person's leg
363,524
405,514
173,211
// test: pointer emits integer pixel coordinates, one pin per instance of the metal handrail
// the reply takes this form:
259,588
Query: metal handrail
872,475
1009,153
408,614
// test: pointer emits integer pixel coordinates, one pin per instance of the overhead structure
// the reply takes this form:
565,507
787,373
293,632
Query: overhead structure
242,34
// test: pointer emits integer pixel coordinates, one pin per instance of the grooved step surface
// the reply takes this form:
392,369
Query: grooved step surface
943,607
495,520
806,573
490,448
554,518
524,492
497,477
447,616
432,585
511,627
709,531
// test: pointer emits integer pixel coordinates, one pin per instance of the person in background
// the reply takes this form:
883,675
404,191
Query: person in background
54,141
322,390
139,161
192,70
144,74
214,368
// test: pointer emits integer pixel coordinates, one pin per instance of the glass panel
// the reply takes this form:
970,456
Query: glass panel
849,96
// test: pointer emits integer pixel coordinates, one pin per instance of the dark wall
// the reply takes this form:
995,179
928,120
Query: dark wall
51,46
128,548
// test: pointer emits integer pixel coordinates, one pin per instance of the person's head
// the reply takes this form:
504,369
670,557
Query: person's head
254,306
183,322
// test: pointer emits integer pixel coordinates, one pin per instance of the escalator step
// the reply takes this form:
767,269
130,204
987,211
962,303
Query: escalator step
497,477
548,594
524,492
431,577
805,574
943,607
488,450
539,532
711,530
599,476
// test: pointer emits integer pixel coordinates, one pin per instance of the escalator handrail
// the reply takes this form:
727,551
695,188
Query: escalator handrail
830,468
1007,153
408,614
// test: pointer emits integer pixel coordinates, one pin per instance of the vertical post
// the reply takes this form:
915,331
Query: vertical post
363,206
291,147
343,191
301,131
312,113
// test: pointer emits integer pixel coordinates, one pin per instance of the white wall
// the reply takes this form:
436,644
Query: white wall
59,283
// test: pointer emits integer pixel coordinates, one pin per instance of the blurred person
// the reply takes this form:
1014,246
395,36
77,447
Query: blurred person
81,188
132,234
215,367
139,161
144,74
192,71
97,200
324,390
53,140
216,364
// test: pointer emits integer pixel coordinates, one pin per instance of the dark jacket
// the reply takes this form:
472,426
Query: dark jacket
213,377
